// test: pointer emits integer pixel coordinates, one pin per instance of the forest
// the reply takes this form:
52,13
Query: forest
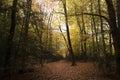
59,39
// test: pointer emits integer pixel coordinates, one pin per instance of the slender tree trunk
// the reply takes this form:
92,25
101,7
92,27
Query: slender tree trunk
118,13
25,32
92,28
102,31
97,48
68,35
84,38
64,37
10,38
47,43
80,31
110,44
40,34
50,40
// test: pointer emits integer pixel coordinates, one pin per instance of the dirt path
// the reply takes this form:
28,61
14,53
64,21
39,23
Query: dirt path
62,70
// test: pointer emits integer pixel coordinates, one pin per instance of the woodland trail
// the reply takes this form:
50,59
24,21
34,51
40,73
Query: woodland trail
61,70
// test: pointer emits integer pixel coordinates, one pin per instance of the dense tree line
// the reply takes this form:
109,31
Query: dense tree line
30,34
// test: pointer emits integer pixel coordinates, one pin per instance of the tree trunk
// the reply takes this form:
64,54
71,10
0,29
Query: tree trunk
97,47
64,37
68,35
118,43
102,31
110,44
92,29
115,32
118,13
25,32
80,31
10,39
84,39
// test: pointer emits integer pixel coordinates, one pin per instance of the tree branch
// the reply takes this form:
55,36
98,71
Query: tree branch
78,14
92,14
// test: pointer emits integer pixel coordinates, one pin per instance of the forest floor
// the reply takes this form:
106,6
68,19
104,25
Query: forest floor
62,70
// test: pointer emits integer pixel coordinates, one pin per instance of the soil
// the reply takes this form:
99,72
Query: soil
62,70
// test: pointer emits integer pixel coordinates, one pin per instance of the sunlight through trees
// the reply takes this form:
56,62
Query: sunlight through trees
43,31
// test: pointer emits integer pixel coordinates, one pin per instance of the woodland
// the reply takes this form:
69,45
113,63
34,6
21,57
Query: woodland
59,39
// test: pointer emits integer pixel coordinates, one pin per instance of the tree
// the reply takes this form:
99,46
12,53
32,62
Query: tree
68,34
114,31
24,31
118,13
10,38
102,31
118,45
92,28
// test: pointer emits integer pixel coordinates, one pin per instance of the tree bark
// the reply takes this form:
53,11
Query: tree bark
63,37
80,31
118,13
68,35
102,31
92,29
25,32
10,39
115,32
118,34
84,39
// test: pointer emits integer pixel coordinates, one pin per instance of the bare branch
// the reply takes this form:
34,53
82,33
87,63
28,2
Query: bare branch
79,14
